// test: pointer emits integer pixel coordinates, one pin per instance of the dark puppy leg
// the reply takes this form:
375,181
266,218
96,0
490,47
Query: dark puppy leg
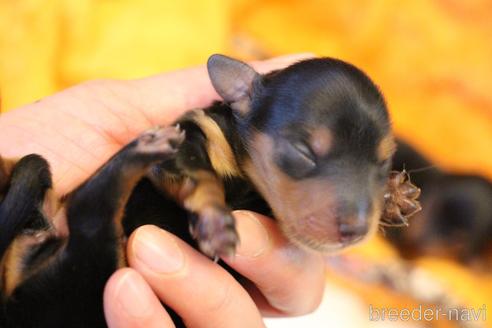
192,182
21,221
70,277
20,209
96,207
213,226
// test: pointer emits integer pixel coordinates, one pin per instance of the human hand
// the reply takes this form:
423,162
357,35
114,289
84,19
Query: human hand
282,280
79,129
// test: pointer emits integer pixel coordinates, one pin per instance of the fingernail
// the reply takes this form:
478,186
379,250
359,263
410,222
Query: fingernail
156,249
253,235
134,295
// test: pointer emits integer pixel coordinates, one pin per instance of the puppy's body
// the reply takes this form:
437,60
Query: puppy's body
310,145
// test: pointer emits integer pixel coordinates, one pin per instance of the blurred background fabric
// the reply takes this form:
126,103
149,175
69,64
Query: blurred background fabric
431,58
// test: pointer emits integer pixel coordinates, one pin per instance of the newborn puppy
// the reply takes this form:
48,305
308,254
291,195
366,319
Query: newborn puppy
313,141
456,221
310,145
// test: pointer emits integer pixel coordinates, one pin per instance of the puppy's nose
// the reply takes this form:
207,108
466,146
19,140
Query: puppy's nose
354,225
352,233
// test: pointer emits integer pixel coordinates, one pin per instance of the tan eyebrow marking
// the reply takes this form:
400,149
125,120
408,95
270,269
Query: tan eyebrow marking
321,141
386,148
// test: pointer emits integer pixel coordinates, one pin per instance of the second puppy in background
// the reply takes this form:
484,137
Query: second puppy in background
456,220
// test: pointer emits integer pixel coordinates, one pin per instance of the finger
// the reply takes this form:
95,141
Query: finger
130,303
166,96
286,280
195,287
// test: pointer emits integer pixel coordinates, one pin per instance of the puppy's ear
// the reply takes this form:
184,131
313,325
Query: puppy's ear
233,81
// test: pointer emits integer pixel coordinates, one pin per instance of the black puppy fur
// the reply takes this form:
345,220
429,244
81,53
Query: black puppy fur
51,281
456,221
310,145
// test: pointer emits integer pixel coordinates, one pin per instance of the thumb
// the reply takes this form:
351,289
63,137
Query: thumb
130,303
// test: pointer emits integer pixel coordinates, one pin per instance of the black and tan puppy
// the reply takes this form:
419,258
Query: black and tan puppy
310,145
313,140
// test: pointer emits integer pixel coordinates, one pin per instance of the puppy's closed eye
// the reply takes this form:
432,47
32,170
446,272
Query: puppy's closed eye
295,158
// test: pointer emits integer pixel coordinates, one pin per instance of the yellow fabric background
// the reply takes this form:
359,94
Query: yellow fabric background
432,59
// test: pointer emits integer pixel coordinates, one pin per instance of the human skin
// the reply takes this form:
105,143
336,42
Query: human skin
80,128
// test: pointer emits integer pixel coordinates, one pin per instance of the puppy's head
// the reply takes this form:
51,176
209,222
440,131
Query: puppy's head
319,145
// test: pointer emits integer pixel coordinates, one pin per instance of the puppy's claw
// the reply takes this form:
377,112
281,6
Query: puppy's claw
215,232
163,141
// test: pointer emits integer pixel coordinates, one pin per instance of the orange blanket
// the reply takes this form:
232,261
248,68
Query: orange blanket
432,59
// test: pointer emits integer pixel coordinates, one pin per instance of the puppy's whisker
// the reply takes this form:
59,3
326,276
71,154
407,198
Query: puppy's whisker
422,169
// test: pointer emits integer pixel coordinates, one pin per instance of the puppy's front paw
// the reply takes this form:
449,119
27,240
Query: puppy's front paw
160,141
215,232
